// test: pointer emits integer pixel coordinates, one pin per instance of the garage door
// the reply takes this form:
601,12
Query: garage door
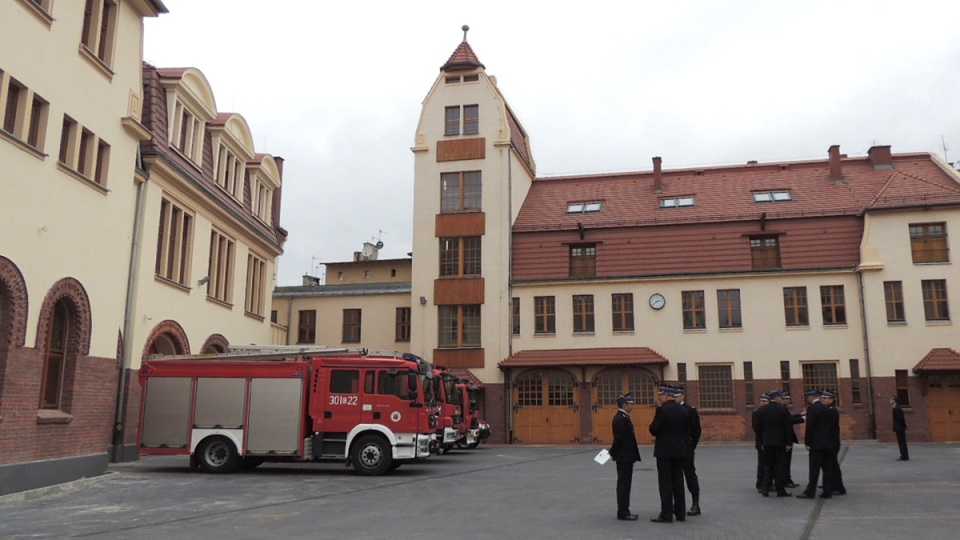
545,408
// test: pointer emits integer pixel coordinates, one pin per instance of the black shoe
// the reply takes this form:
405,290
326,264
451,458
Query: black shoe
694,510
661,520
784,494
839,492
804,496
628,517
825,496
791,484
903,459
765,493
681,518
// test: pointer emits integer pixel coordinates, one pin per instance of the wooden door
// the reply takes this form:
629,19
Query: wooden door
943,407
608,386
545,408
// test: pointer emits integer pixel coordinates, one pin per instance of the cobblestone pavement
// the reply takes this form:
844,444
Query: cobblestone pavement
531,492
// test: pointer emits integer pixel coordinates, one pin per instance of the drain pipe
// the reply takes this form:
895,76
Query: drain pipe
119,428
871,406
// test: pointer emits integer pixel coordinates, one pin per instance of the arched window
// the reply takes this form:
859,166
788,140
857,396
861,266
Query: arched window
55,357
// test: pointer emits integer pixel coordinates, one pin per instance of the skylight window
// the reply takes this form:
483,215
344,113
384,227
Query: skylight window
676,202
772,196
584,207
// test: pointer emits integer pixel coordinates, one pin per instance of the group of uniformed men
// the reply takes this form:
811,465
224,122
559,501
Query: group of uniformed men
676,426
773,424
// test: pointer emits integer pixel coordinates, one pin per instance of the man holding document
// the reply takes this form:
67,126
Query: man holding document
625,453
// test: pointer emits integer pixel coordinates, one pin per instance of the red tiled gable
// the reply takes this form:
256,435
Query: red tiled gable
724,194
586,357
221,119
462,58
467,375
939,360
518,138
171,73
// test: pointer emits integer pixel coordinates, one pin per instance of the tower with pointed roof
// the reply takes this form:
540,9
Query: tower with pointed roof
473,168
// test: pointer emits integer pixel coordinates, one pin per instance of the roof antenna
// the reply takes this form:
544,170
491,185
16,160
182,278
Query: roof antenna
465,29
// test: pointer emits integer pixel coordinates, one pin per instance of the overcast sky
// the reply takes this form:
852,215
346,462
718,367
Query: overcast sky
335,89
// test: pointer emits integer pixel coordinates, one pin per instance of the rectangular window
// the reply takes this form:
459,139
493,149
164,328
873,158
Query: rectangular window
935,300
856,396
544,315
682,372
220,267
67,136
402,332
764,252
515,317
694,314
471,119
785,375
459,326
795,306
622,312
893,296
84,158
99,28
460,256
102,159
351,326
728,308
748,383
928,242
716,387
903,390
307,328
174,239
460,191
677,202
230,172
38,122
583,260
11,109
771,196
820,376
344,381
256,285
832,304
186,135
583,313
452,122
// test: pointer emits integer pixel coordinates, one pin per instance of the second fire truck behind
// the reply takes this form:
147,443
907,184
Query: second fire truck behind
240,409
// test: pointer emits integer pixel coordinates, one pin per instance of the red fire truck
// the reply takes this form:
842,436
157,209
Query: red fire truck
451,426
241,408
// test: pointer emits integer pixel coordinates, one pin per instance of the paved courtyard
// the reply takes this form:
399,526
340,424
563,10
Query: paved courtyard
531,492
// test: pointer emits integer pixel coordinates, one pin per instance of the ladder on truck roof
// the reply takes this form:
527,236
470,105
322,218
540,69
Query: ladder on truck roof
274,352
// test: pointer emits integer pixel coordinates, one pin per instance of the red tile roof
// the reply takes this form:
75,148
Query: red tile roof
468,375
939,360
611,356
724,194
462,58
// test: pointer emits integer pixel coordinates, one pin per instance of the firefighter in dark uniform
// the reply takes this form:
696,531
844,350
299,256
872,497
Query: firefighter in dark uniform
836,484
671,427
900,428
796,419
689,467
817,441
775,429
755,421
625,453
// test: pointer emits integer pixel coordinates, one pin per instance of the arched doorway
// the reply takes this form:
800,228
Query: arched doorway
608,386
545,408
943,406
168,339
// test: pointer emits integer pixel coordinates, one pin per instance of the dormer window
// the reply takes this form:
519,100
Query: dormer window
229,171
677,202
187,133
772,196
584,207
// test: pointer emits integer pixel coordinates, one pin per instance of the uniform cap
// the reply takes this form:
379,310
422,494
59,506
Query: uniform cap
826,394
813,393
627,398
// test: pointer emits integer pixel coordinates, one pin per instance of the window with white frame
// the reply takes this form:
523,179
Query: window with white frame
186,132
230,171
262,198
677,202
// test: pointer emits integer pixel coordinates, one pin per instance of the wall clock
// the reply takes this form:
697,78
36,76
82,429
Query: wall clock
657,301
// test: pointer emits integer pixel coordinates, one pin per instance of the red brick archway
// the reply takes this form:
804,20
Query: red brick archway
167,338
216,343
73,297
13,314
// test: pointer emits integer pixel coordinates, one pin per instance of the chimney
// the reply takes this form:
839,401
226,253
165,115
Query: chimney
880,157
657,176
835,173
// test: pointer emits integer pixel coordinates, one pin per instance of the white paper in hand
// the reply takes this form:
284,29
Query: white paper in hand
602,457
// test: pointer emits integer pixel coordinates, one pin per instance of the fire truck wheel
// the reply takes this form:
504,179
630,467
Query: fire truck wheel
371,455
218,455
251,462
468,446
